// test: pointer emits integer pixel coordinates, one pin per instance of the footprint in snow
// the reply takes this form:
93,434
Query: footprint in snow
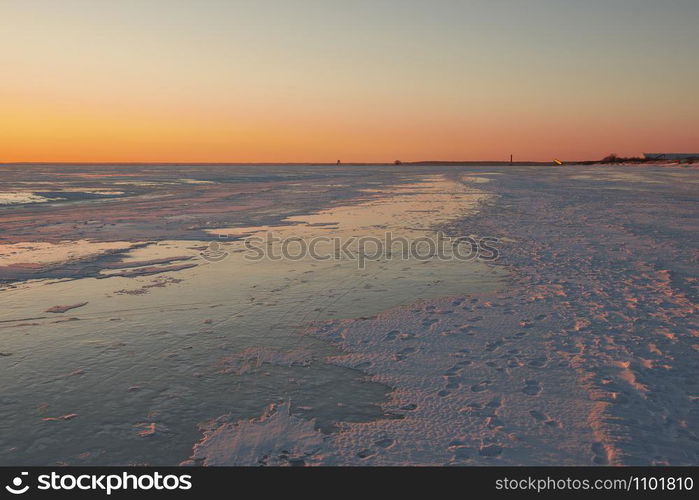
531,388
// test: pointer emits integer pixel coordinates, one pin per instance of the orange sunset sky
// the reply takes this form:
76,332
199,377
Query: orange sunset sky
317,81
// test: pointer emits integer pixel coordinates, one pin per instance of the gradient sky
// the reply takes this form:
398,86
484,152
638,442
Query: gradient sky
267,81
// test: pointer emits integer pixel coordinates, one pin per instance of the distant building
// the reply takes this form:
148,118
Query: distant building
671,156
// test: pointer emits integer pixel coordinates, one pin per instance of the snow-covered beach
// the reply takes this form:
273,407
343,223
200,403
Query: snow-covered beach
578,345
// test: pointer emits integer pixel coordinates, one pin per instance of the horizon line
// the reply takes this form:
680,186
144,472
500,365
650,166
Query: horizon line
270,163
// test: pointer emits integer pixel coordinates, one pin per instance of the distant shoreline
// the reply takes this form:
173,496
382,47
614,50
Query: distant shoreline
423,163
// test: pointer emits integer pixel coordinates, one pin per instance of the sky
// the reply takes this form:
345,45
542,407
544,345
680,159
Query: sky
359,81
